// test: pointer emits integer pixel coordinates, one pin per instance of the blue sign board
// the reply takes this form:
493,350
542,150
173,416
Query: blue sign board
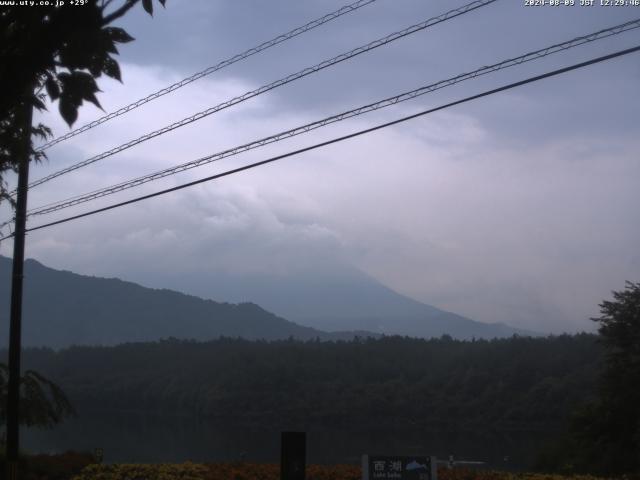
387,467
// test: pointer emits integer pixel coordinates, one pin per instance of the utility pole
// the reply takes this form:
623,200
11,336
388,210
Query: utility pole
15,325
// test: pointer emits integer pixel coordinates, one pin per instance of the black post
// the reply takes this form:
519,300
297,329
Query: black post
293,456
15,326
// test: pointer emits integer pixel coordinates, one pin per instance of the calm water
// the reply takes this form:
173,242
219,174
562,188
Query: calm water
128,437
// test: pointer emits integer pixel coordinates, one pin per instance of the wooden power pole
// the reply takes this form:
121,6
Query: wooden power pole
15,325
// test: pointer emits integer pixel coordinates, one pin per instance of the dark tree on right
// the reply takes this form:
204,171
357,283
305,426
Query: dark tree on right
607,432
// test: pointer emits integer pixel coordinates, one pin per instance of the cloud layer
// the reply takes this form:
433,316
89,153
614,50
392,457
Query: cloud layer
519,208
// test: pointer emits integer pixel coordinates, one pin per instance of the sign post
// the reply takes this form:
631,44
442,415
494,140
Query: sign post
293,456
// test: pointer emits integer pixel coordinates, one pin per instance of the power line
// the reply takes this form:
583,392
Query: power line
352,7
59,205
340,139
278,83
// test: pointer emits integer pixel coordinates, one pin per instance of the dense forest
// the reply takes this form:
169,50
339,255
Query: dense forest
508,383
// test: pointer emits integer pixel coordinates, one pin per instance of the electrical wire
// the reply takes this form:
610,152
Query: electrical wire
535,55
352,7
340,139
278,83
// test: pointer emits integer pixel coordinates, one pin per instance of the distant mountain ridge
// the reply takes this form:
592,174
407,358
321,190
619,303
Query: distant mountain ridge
62,308
338,298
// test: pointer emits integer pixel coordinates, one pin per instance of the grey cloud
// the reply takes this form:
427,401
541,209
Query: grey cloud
231,229
518,208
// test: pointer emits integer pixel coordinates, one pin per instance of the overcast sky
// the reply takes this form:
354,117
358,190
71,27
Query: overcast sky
521,207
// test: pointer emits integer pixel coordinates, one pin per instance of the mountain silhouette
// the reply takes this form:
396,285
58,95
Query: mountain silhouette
62,308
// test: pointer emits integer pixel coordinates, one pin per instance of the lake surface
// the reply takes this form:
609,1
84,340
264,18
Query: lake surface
143,438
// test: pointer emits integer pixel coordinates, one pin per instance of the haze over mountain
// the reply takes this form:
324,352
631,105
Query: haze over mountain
63,308
333,299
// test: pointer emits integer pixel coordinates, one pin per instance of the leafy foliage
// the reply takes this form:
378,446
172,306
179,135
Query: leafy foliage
50,467
184,471
605,433
43,403
251,471
61,51
610,428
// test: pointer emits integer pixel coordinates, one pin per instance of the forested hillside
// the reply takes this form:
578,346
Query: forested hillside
62,309
393,381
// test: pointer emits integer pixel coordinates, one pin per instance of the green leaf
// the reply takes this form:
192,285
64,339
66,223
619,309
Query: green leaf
37,103
107,41
111,68
64,79
83,86
118,35
68,110
42,131
148,6
90,97
95,66
53,89
76,54
72,90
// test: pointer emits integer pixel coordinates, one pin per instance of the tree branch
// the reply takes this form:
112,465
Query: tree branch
105,4
119,12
